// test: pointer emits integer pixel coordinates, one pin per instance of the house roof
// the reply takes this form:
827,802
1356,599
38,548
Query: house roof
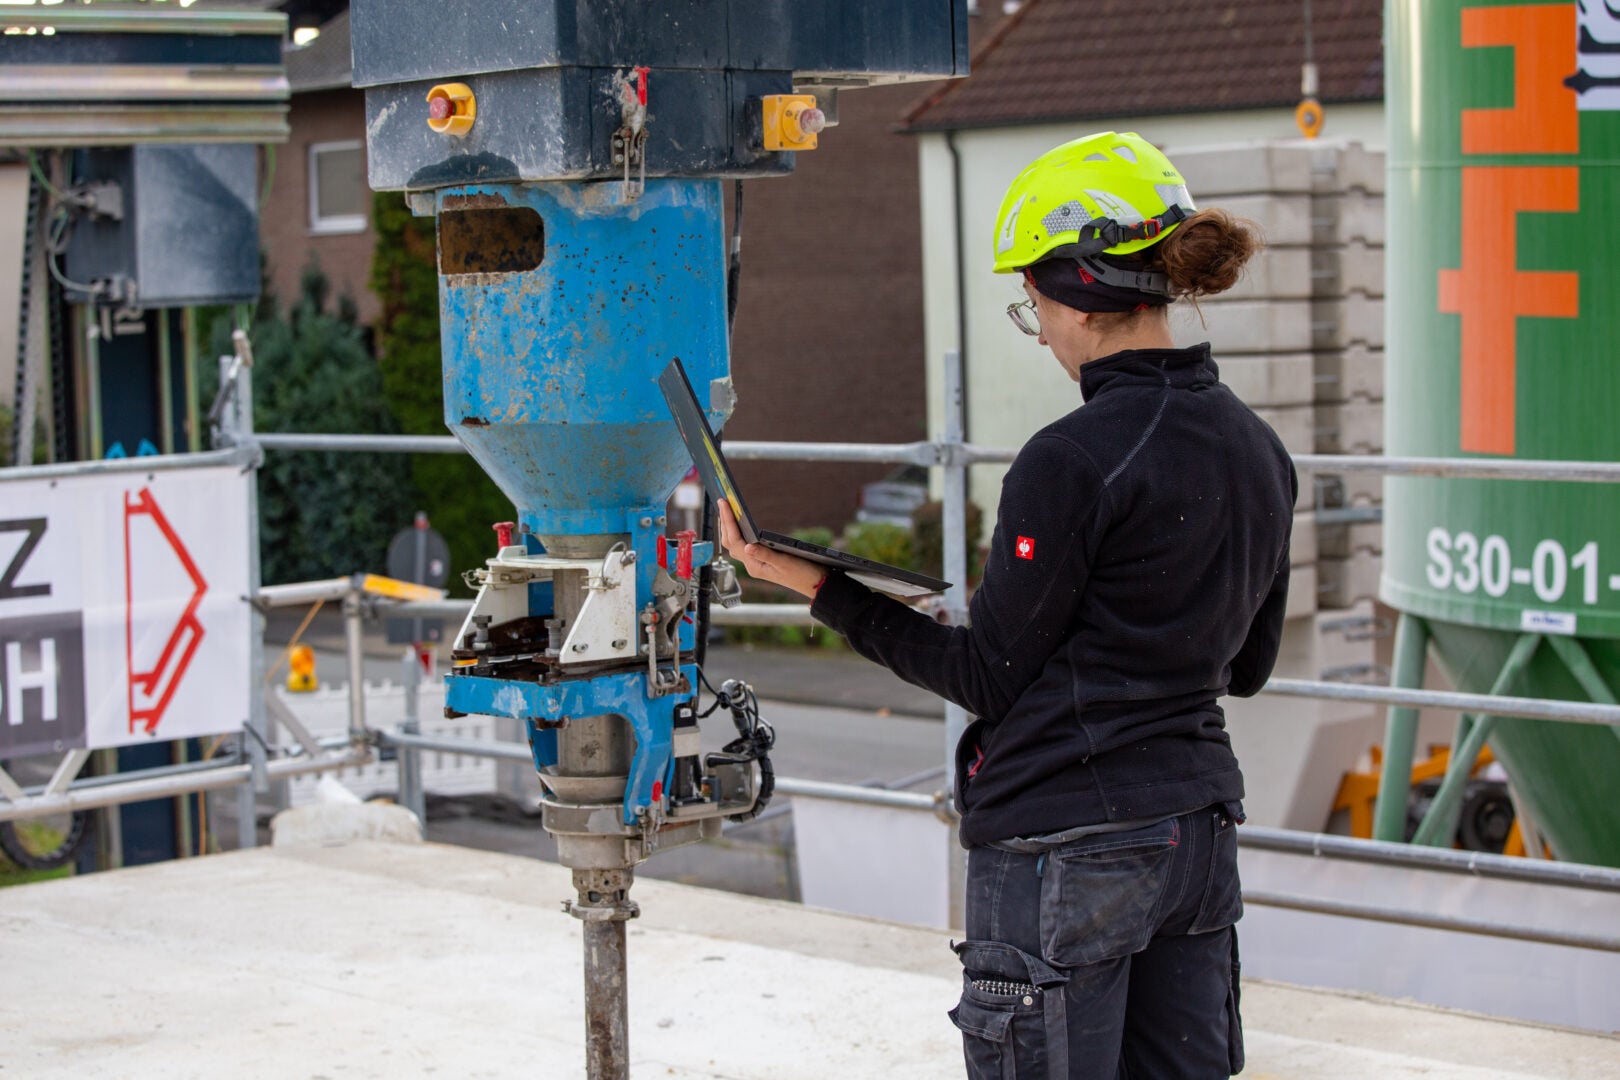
323,64
1070,59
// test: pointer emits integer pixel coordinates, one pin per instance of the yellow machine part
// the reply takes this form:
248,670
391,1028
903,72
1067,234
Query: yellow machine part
1358,791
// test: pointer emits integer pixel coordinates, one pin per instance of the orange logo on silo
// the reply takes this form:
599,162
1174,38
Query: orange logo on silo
1489,291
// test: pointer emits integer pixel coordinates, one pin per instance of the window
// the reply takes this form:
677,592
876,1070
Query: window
337,188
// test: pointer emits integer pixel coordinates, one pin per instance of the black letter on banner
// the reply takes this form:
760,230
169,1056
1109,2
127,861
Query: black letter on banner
9,589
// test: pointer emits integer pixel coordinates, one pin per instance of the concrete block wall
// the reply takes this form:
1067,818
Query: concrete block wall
1301,340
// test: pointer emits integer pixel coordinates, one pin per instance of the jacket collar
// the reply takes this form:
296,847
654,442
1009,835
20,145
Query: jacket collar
1181,368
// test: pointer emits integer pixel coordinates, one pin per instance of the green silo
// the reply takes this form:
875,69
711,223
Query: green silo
1503,301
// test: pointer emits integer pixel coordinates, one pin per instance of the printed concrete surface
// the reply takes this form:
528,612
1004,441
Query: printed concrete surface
380,960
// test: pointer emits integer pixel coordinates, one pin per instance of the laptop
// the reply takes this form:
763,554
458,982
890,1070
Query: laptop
717,477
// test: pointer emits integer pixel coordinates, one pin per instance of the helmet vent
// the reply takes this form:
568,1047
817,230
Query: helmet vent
1066,218
1127,153
1175,195
1096,157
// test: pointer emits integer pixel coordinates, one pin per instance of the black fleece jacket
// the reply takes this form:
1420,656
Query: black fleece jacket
1138,571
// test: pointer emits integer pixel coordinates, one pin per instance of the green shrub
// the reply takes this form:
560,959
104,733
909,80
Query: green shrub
928,539
459,498
321,514
879,541
816,534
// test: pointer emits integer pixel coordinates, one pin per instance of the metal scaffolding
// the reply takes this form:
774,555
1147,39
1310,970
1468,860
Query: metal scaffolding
255,762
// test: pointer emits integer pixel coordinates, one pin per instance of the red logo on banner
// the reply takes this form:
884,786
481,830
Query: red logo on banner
150,691
1026,548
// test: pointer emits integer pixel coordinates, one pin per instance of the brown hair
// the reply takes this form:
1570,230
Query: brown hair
1206,253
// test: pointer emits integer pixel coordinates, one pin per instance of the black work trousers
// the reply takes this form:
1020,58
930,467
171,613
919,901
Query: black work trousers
1111,957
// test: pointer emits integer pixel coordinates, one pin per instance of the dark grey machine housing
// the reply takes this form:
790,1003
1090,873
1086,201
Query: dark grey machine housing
543,74
181,223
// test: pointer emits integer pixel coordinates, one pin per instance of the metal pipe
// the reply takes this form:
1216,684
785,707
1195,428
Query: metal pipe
412,795
607,1037
954,567
117,794
1590,472
445,744
1574,712
821,789
238,457
1442,860
86,782
1351,910
953,514
354,638
364,444
1400,730
425,609
165,378
239,426
300,593
917,453
763,615
1348,515
927,453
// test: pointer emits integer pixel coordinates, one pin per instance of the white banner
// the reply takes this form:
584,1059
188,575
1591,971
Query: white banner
122,610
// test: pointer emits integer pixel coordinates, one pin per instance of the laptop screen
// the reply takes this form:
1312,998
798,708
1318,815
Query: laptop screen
700,443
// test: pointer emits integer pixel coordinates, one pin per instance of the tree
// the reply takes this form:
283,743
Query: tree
322,514
459,498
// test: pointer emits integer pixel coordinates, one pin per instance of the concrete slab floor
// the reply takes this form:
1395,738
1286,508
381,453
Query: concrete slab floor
375,960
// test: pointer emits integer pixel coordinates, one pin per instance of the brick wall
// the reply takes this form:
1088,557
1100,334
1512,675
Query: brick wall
828,344
323,116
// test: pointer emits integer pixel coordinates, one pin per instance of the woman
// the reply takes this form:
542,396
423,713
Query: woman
1138,571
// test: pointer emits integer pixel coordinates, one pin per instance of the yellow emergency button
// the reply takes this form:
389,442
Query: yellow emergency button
451,108
792,121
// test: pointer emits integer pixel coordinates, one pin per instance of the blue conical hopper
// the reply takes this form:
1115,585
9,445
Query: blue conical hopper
561,303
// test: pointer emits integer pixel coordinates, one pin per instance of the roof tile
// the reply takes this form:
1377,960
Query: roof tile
1068,59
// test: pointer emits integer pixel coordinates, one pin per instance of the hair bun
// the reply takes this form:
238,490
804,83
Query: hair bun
1206,253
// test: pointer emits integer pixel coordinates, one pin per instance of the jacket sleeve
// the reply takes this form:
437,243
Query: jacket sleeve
1252,665
1025,608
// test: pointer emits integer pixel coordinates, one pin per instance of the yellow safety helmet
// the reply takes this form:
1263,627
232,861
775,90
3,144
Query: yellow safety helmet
1106,193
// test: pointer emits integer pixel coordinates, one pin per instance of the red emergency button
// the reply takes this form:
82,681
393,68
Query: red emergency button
452,108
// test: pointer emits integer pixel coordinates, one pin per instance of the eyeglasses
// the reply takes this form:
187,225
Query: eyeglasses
1027,321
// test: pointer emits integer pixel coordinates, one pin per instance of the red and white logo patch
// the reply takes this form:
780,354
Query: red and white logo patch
1025,548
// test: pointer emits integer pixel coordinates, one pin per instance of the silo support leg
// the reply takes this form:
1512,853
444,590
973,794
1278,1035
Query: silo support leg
1579,662
1441,821
1400,731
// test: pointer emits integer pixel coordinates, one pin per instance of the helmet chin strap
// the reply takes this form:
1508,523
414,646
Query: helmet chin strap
1147,281
1101,234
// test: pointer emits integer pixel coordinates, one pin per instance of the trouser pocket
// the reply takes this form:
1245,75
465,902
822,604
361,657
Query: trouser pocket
1234,1018
1012,1014
1101,895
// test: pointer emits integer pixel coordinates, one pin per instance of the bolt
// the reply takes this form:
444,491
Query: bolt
620,643
662,520
581,647
440,108
646,522
627,558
